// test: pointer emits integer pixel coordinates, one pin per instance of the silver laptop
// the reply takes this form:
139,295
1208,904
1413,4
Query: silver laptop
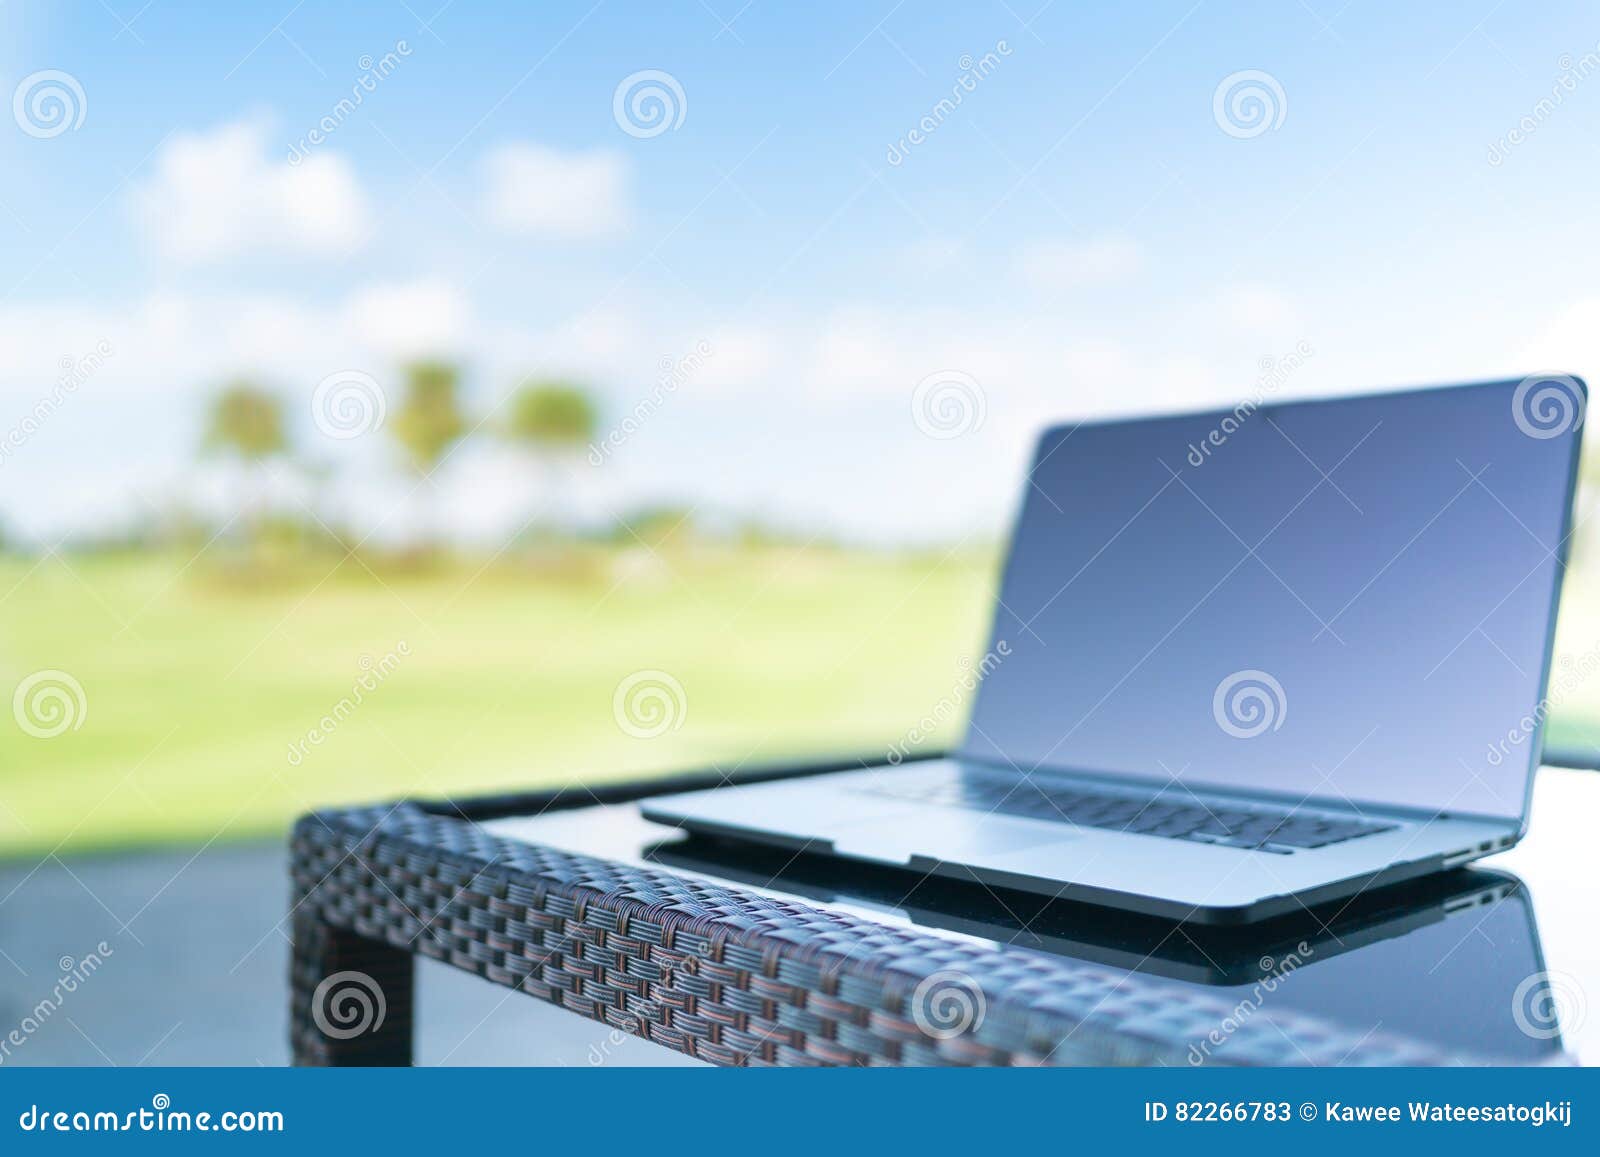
1242,662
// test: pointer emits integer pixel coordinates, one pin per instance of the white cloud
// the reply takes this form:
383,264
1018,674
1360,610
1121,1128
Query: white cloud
409,319
1053,265
856,351
1095,358
605,347
161,344
834,391
741,356
595,335
935,254
860,353
216,195
1569,343
1257,309
541,192
179,343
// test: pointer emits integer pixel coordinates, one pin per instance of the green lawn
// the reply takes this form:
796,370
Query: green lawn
197,686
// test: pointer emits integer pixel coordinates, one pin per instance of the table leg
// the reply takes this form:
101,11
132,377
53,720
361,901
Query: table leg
351,998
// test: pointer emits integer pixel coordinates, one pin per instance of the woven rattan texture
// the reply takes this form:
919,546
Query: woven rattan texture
724,974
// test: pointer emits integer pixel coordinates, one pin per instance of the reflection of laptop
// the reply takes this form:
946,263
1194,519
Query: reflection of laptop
1448,959
1197,954
1242,662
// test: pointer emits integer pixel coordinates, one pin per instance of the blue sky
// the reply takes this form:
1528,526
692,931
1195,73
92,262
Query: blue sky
1081,235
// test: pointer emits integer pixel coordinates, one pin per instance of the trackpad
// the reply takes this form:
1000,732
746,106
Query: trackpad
942,835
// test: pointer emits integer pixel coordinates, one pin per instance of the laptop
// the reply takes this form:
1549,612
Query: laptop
1242,662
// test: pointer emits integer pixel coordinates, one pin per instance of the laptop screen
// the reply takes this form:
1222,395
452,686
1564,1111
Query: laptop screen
1338,598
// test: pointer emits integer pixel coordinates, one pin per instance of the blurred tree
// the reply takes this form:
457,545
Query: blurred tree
553,416
657,527
429,422
245,422
551,421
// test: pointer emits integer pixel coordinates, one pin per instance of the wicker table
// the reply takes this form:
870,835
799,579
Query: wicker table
728,974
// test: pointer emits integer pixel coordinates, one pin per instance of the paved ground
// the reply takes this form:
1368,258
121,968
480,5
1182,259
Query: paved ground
197,972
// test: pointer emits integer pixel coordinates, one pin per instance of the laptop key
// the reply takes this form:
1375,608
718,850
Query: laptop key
1166,815
1235,842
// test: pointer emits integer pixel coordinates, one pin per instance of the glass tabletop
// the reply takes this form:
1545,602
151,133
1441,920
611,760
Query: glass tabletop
1491,962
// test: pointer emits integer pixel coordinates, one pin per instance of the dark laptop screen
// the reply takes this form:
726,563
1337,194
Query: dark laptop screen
1342,598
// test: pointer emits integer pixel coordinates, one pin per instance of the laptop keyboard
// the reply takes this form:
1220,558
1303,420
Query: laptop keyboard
1171,814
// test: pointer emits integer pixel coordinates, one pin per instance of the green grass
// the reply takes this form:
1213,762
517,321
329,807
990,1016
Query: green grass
197,682
196,686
